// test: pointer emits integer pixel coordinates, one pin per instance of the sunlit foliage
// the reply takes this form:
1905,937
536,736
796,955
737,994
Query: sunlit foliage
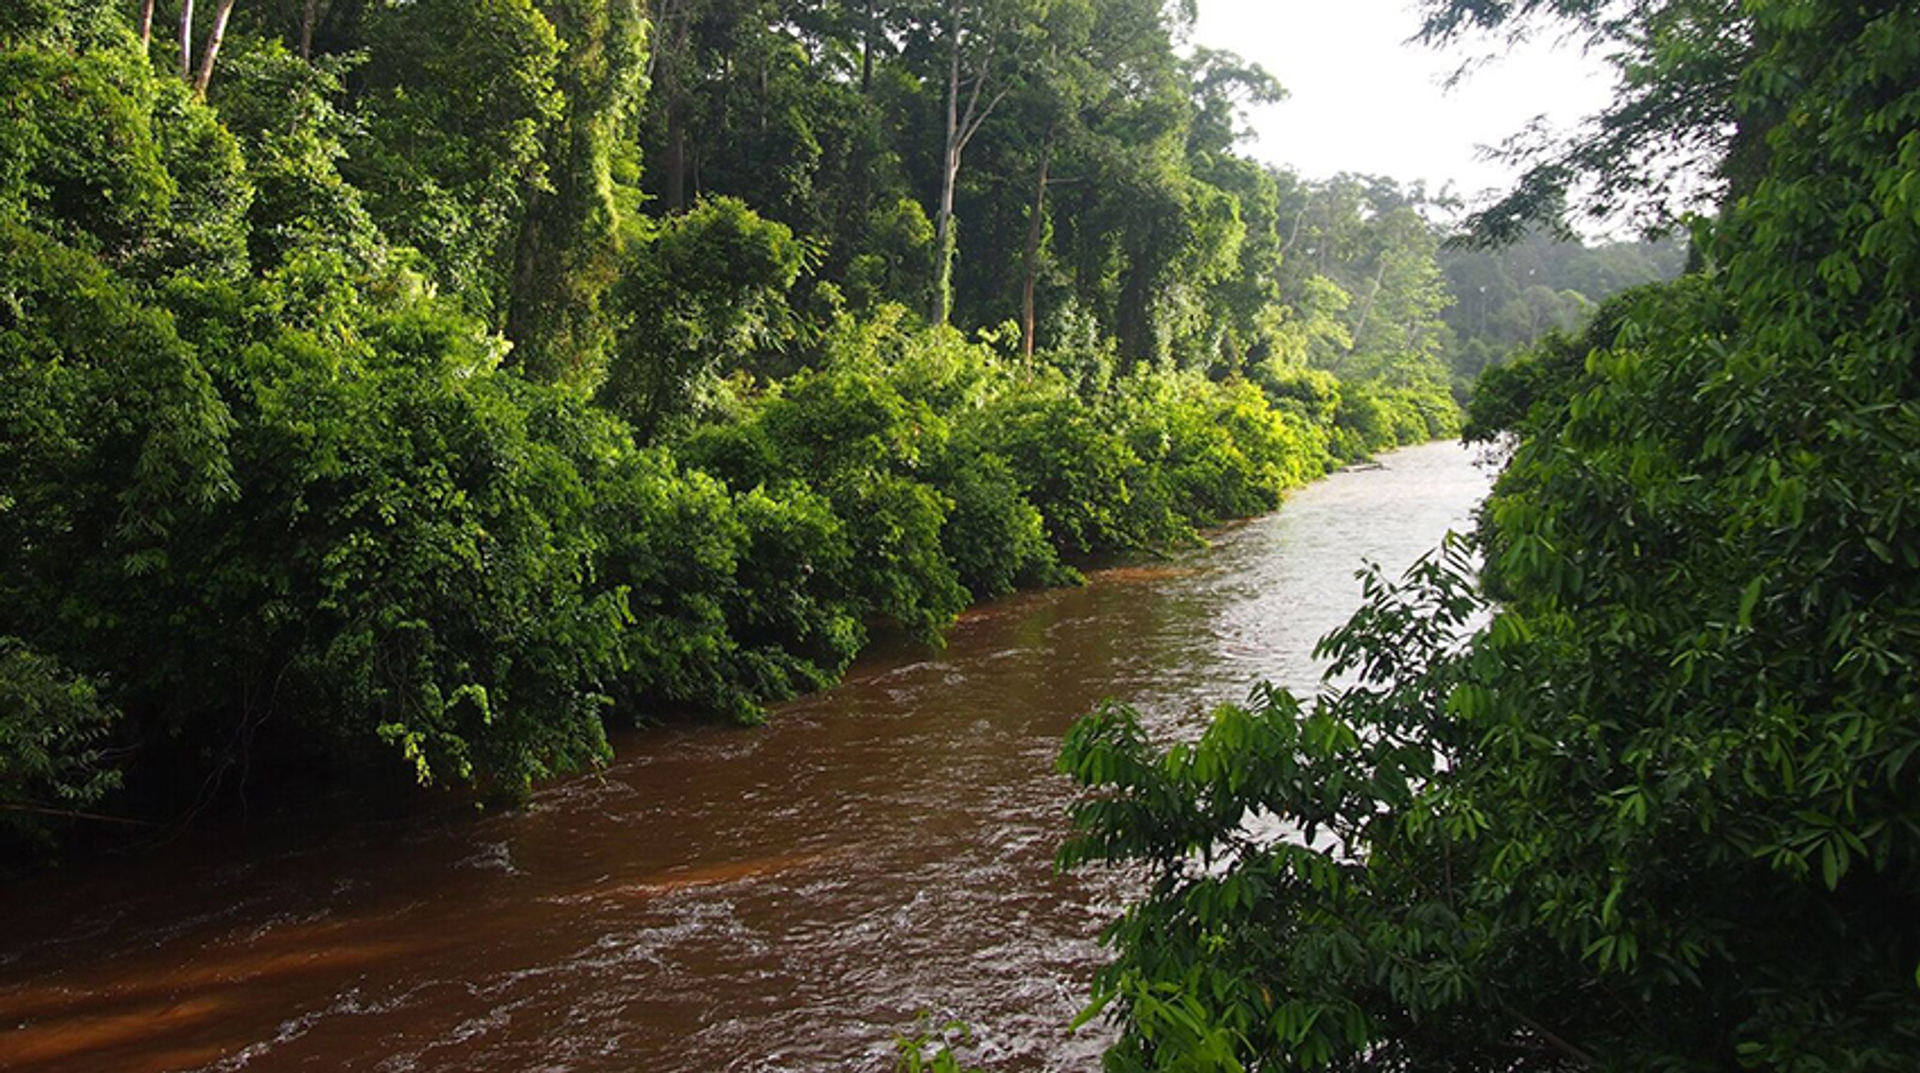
368,410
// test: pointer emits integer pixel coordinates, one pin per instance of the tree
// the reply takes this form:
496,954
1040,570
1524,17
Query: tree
1396,327
291,120
1509,297
1660,811
701,297
1365,237
1089,63
1680,134
459,104
980,39
51,725
221,13
566,254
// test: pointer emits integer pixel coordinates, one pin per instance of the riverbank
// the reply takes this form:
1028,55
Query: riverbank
480,611
719,898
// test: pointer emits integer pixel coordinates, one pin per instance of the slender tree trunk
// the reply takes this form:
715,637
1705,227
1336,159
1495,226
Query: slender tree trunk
943,241
949,173
525,299
186,40
309,15
866,53
1133,326
675,182
1366,308
1032,262
672,58
960,130
146,24
1293,235
219,33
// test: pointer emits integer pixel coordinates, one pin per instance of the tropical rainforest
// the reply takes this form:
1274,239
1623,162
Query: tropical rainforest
413,390
1629,778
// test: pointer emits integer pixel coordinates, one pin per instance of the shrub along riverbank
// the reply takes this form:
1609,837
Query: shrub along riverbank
330,443
278,552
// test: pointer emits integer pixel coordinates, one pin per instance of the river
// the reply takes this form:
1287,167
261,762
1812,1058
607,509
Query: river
782,898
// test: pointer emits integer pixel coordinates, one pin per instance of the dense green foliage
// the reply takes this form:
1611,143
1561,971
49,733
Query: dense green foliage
50,726
1655,808
366,405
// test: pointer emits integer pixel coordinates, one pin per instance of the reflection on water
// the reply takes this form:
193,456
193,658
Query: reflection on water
782,898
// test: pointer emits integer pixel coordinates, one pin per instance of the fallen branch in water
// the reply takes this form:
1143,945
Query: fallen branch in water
69,814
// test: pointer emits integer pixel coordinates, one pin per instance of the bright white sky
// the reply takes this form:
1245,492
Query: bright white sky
1362,100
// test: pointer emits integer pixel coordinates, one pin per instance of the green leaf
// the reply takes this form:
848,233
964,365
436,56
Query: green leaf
1749,598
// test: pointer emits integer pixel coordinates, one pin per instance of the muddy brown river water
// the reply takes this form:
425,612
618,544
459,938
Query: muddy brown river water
783,898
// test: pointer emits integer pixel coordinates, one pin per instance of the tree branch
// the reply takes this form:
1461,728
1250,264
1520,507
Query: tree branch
72,814
1553,1040
219,33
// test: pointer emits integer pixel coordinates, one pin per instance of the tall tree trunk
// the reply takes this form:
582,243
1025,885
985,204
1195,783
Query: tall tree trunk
671,61
866,52
146,24
949,174
1293,235
186,40
943,241
675,181
309,15
1133,317
1366,308
1032,260
961,127
219,33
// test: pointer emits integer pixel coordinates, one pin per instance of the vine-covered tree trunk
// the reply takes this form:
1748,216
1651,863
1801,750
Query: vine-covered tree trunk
564,259
669,69
949,173
674,184
867,30
1031,265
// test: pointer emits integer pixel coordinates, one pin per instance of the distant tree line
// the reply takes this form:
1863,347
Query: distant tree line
1508,297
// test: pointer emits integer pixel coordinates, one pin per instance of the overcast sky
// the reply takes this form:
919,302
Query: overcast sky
1362,100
